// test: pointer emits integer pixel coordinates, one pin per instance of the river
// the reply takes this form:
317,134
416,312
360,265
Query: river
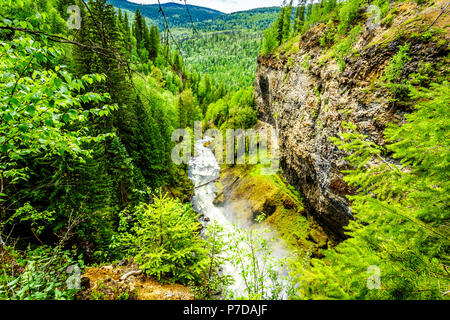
203,171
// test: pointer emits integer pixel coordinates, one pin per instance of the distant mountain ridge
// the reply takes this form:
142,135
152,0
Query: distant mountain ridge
204,18
175,12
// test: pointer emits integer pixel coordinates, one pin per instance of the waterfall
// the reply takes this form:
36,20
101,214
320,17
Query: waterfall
203,171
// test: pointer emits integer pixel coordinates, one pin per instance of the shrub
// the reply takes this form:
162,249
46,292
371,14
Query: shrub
165,240
270,42
393,77
214,282
40,274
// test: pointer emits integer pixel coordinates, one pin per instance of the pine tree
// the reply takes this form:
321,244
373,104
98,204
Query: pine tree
177,61
119,18
138,28
146,38
329,6
308,13
126,31
299,16
138,130
155,42
279,26
186,107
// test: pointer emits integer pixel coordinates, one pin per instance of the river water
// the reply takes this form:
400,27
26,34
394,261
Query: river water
203,171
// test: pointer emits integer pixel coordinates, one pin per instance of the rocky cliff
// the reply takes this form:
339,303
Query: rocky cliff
305,91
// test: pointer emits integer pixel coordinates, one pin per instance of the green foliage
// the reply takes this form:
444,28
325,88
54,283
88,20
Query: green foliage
393,71
348,14
214,283
286,32
401,209
299,16
252,254
308,15
393,76
283,24
328,38
165,240
80,142
188,111
40,107
236,110
306,62
344,47
40,274
252,20
44,126
227,57
384,6
270,42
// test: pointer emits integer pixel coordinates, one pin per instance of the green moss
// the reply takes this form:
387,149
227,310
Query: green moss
388,20
288,216
306,62
291,226
290,62
317,93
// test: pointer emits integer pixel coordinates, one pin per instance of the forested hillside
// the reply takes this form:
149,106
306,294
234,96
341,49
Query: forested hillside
178,15
93,205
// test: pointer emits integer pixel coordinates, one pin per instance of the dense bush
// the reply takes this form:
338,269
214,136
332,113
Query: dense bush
163,237
41,274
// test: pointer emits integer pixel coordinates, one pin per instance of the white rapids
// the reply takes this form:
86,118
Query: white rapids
203,171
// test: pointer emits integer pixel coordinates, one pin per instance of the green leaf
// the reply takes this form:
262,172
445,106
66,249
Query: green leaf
7,117
10,84
66,118
49,122
72,113
57,82
31,109
23,127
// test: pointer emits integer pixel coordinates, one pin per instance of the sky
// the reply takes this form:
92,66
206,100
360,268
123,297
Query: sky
222,5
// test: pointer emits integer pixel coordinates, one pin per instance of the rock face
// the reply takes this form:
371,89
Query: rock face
247,194
305,95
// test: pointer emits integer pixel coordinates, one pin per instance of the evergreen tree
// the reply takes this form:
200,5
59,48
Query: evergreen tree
309,9
299,16
138,28
279,26
287,22
177,61
155,42
329,6
205,92
146,38
119,18
186,108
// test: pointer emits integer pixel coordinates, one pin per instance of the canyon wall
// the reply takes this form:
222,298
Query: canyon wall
306,94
